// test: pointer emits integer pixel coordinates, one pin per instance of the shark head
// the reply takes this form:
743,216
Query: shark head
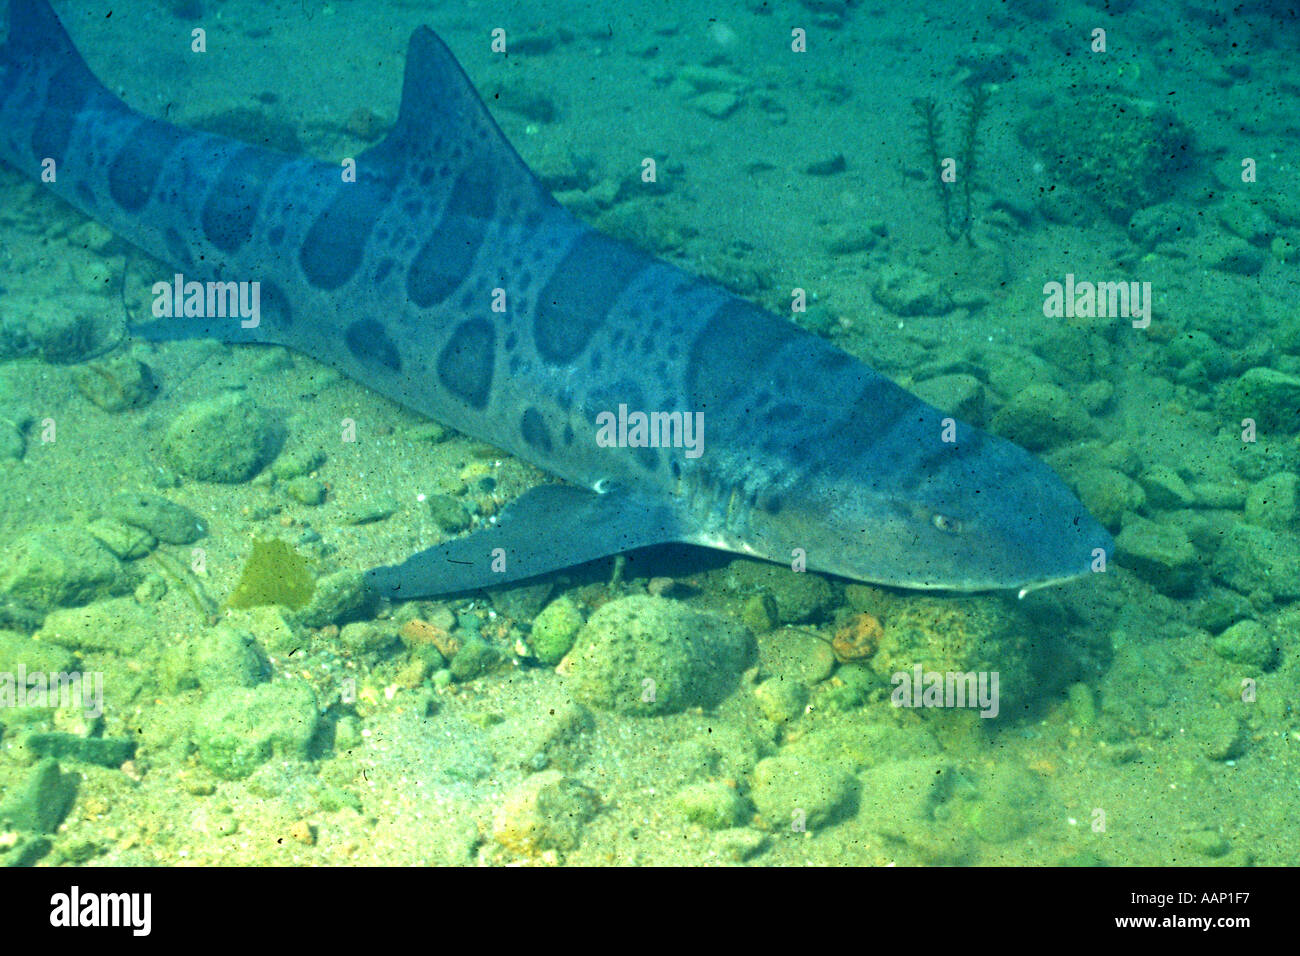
979,514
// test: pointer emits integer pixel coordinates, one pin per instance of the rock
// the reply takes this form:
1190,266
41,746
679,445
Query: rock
759,613
521,602
368,639
1043,416
799,596
13,445
65,329
714,805
227,439
848,239
118,625
907,291
557,736
1221,608
718,103
1232,255
857,639
706,78
1254,559
448,513
802,793
853,683
1009,805
643,655
1218,734
237,729
18,650
901,801
555,629
959,395
739,844
296,464
337,598
40,803
1082,706
1137,162
1210,843
545,812
1226,495
846,742
223,656
101,751
1161,554
780,700
1269,397
366,512
117,383
1109,494
61,567
1165,488
1245,218
1162,223
527,100
272,627
1274,503
972,635
475,657
795,656
165,520
306,490
1249,643
827,166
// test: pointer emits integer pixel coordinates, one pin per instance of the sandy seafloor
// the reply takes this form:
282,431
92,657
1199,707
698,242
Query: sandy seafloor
1131,746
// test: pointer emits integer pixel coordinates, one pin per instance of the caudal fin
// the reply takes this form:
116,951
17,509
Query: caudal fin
36,35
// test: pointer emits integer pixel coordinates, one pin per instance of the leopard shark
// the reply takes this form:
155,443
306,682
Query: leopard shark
443,275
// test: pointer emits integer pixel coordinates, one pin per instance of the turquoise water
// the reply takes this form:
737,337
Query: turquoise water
1145,714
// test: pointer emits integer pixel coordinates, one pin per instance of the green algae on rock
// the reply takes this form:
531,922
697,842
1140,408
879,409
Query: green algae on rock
1126,154
972,635
555,629
646,656
273,574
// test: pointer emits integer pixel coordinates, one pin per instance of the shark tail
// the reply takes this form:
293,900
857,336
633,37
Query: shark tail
44,84
37,40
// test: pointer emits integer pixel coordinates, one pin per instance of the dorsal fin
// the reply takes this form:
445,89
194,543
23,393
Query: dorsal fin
442,112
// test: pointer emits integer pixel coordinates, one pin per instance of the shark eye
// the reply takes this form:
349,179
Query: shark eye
946,524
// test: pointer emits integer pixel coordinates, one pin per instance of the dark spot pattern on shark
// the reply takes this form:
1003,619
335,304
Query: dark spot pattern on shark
446,258
580,292
466,363
335,244
370,345
135,169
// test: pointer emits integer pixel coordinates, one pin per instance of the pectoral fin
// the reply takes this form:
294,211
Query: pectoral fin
545,529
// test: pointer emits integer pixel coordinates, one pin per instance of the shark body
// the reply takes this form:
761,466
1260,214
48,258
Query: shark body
446,278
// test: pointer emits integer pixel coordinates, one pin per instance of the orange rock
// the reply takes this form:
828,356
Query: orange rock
416,631
858,639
